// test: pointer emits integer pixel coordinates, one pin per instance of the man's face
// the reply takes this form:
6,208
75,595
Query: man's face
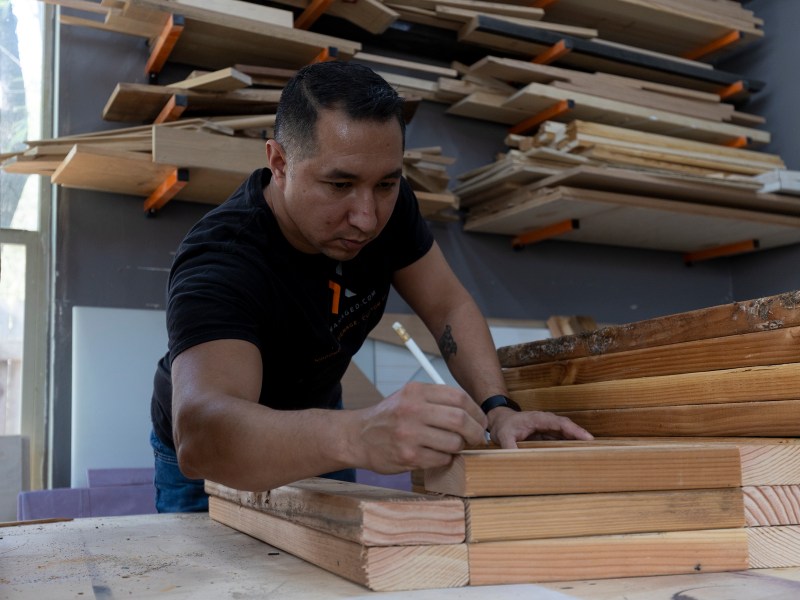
340,198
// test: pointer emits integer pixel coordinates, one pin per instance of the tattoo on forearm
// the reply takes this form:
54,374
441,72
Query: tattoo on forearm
447,344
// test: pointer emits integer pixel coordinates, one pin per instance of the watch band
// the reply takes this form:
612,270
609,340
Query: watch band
499,400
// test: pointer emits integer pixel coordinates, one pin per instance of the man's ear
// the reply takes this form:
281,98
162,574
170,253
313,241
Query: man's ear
276,161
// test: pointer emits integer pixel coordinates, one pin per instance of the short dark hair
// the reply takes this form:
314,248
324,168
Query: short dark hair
353,88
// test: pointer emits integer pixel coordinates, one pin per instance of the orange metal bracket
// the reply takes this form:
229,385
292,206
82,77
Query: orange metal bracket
173,184
544,233
553,53
311,13
726,40
542,3
740,142
559,108
173,109
326,54
164,44
731,90
719,251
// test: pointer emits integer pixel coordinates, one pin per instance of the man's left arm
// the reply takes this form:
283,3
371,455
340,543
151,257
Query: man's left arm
436,295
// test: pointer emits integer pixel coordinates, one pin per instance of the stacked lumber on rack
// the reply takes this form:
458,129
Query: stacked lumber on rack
602,98
213,156
386,540
425,169
213,34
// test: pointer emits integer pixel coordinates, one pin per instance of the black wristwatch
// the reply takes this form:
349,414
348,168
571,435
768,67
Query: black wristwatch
499,400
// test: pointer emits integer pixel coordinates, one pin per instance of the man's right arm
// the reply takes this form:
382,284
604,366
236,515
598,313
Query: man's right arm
222,433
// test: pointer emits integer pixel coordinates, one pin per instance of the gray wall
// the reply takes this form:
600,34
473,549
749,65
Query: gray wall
109,254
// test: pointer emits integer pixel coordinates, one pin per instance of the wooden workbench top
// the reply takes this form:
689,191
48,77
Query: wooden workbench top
190,556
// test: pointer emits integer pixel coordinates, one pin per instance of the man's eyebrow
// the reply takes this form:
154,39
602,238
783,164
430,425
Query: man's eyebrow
340,174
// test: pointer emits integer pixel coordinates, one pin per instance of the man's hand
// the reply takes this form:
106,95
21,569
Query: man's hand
418,427
509,427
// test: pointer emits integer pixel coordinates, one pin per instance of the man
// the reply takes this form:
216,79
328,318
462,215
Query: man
273,292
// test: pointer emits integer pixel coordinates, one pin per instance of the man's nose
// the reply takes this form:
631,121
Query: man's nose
363,212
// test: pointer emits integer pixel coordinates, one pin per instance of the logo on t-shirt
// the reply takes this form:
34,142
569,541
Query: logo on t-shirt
337,291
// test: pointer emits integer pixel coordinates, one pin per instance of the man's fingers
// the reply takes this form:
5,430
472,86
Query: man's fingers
450,396
454,420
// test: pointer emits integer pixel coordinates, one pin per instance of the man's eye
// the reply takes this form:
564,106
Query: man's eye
340,185
387,185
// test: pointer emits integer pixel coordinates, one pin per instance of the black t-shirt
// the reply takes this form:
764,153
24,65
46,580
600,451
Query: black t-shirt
235,276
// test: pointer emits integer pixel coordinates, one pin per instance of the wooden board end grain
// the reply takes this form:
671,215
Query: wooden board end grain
381,568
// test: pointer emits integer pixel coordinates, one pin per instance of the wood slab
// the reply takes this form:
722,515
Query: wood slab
599,557
572,515
773,347
760,314
774,547
380,568
723,386
587,468
745,419
367,515
212,151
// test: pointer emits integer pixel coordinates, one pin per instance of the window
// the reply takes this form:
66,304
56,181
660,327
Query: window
24,224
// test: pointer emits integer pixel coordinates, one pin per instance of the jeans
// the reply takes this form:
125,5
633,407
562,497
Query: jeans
177,493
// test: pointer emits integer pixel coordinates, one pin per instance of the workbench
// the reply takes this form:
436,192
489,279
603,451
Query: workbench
191,556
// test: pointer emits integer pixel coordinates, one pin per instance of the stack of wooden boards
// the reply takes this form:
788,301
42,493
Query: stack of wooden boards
684,480
384,539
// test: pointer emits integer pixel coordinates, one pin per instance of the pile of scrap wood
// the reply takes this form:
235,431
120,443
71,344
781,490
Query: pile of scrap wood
696,468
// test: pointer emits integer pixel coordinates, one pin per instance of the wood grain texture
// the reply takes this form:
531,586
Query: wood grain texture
749,384
774,547
772,347
587,468
386,568
367,515
761,314
771,505
601,557
572,515
746,419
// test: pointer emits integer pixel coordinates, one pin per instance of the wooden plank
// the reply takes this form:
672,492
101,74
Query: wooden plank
765,461
771,505
133,173
574,470
237,8
598,56
200,149
725,386
224,80
535,97
496,8
746,419
600,557
662,28
774,547
214,40
760,348
572,515
366,515
380,568
371,15
636,221
143,102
